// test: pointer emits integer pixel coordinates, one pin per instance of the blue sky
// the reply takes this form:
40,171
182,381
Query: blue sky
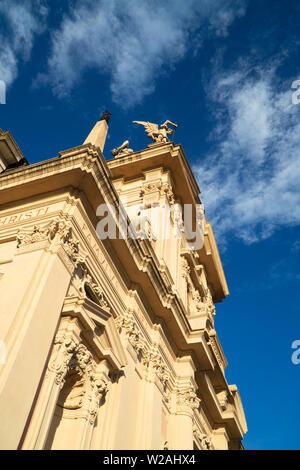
222,69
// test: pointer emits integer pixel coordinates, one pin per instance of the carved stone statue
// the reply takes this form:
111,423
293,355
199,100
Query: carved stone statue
122,150
158,134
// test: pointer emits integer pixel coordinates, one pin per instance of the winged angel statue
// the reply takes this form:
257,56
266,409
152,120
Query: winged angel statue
158,134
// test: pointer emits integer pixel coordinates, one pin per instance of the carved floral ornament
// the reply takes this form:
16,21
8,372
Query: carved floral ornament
157,187
204,304
182,400
76,373
58,230
200,304
150,356
188,398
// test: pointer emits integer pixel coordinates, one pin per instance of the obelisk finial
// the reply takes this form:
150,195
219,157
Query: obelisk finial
98,134
105,116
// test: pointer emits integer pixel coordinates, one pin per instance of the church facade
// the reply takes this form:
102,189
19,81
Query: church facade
109,342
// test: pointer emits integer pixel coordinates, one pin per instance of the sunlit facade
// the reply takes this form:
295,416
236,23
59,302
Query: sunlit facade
109,343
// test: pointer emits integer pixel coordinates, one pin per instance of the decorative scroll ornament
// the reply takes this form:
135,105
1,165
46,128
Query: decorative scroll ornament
84,284
72,249
64,348
178,220
100,389
94,388
128,325
209,303
62,230
55,229
162,371
223,399
167,397
200,306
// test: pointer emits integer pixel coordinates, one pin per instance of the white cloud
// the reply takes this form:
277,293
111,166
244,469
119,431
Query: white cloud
131,41
22,20
251,182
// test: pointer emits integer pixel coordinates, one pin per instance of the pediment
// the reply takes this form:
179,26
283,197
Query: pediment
98,329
